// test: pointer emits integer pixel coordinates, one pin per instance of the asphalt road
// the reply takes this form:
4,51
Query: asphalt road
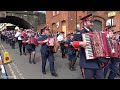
21,69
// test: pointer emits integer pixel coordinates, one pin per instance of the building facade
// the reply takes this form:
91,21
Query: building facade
69,21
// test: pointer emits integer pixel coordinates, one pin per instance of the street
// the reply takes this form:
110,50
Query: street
21,69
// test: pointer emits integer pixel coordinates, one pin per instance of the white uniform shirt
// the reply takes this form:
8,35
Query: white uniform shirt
60,38
18,34
87,29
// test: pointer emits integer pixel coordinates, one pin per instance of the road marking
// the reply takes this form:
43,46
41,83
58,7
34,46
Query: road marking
18,71
3,47
13,74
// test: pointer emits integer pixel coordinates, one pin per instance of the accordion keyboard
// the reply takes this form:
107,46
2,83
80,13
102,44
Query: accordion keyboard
88,49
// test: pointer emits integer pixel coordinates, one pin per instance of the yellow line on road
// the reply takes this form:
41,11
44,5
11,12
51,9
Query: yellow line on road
12,71
13,74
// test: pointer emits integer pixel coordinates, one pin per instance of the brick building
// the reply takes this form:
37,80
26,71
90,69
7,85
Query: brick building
69,21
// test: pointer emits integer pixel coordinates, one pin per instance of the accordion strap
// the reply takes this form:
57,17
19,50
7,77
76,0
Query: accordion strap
106,63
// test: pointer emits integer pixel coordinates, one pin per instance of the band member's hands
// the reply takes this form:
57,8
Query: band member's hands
83,44
113,41
45,41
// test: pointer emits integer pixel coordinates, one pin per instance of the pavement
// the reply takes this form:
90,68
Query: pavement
20,68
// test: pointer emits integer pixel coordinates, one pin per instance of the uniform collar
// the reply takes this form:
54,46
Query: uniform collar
87,29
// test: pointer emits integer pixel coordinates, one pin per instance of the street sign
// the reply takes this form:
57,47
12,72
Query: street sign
111,13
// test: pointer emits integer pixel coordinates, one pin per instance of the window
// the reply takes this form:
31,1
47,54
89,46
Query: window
97,25
57,12
53,26
53,13
109,22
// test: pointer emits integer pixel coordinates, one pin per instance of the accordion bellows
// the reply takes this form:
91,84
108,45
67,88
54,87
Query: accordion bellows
32,40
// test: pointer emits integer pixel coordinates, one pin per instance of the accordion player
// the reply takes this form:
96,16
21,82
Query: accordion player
99,46
116,49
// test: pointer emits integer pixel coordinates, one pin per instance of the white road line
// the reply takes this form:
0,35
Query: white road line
3,47
13,74
18,71
11,70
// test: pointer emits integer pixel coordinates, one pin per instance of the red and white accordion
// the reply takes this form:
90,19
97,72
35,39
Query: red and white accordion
50,42
32,40
98,45
24,34
116,50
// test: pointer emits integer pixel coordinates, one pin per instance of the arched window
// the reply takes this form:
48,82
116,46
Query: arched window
97,25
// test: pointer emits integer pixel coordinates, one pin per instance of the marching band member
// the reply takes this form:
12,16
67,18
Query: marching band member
24,36
31,46
3,35
71,51
46,53
112,65
118,40
13,39
10,37
61,39
90,68
18,36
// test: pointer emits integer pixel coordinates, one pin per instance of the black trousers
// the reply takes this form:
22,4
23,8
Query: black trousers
63,50
50,58
24,45
3,37
20,46
92,73
13,44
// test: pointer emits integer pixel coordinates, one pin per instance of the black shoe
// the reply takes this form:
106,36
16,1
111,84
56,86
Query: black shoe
54,74
43,72
74,69
34,62
30,62
71,69
20,54
25,54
